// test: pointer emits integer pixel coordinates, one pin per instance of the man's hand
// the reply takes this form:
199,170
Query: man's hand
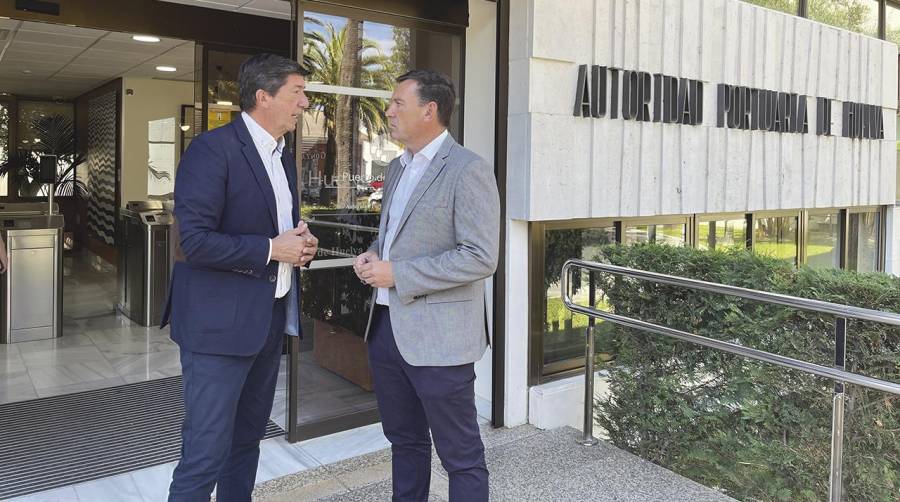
377,273
289,246
310,248
362,260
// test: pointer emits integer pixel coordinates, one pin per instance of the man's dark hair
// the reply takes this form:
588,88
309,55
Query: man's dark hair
267,72
434,86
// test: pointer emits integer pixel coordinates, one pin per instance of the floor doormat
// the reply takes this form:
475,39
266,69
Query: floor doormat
62,440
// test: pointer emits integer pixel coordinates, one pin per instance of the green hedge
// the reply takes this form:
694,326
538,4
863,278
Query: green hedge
755,431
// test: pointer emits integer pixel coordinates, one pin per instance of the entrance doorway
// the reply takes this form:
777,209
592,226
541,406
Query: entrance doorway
344,147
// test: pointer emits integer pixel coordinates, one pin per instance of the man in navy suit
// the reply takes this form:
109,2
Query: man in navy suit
236,294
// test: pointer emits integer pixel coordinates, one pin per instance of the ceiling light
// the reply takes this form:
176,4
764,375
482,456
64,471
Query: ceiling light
37,140
26,72
185,128
224,103
166,68
145,38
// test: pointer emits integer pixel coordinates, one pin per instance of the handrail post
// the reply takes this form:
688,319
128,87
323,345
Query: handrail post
837,413
587,436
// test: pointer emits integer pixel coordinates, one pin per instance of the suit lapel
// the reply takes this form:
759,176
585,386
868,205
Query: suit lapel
428,177
389,189
257,167
290,171
387,196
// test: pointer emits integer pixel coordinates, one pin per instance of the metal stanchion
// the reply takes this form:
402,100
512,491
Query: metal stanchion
837,413
587,438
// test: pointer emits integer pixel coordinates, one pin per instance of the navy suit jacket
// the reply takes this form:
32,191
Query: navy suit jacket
221,296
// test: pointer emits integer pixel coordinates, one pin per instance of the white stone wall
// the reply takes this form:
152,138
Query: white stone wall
561,166
481,42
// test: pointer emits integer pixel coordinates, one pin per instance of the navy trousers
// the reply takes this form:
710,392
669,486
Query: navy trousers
227,401
413,399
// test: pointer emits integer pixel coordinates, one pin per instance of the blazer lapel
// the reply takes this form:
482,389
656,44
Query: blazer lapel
387,196
257,168
428,177
290,171
389,189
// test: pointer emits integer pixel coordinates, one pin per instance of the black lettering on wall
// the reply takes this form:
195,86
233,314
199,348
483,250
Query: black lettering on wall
598,91
697,102
614,94
657,96
723,103
582,93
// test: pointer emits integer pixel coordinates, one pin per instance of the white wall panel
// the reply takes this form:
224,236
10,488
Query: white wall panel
575,167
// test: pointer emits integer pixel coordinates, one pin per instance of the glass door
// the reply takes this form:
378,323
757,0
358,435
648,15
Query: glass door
343,150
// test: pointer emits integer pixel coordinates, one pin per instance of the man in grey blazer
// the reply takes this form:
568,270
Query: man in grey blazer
438,240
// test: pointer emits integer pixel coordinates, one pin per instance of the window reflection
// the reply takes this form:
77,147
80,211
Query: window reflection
862,251
345,150
670,234
823,241
776,237
789,6
892,23
45,128
563,337
722,234
860,16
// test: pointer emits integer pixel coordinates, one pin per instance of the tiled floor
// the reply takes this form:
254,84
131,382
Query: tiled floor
278,458
101,348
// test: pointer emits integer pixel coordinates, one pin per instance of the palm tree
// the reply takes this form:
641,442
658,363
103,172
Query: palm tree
324,56
54,135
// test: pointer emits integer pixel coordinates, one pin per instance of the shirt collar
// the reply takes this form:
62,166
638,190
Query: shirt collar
261,137
428,152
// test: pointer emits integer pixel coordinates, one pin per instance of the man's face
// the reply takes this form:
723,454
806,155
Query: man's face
286,106
406,116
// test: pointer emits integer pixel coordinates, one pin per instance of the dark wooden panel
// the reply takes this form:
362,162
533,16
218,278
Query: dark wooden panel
167,20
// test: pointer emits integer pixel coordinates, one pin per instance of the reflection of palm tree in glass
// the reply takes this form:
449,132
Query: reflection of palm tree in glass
324,55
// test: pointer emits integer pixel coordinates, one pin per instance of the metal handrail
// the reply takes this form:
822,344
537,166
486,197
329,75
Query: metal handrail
836,373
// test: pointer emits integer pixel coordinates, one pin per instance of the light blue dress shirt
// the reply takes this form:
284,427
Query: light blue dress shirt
414,167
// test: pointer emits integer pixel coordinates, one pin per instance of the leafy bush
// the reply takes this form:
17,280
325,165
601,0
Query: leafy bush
753,430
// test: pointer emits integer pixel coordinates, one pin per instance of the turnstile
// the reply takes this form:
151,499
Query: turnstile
31,290
144,260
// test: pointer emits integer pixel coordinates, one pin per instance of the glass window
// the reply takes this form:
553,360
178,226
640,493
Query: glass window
860,16
892,23
674,234
897,188
823,249
776,237
789,6
344,148
45,127
222,95
721,234
862,252
383,53
563,333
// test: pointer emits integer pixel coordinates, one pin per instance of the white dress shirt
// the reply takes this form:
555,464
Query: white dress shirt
414,167
270,152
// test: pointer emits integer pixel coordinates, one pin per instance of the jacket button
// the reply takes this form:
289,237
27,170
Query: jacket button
273,278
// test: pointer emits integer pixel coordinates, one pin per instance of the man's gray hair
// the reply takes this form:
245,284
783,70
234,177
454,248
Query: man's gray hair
267,72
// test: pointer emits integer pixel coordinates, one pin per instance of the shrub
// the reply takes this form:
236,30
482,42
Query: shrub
754,430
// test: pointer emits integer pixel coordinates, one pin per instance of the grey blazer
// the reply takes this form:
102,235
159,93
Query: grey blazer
446,245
